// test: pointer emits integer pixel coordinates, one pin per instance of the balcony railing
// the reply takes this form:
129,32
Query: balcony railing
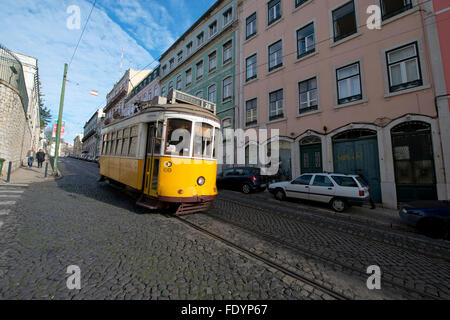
11,72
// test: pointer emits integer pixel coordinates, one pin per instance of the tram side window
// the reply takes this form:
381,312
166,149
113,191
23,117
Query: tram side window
133,141
113,143
119,143
108,144
203,140
126,141
216,143
104,144
178,137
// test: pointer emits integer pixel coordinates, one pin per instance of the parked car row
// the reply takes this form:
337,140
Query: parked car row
340,191
85,157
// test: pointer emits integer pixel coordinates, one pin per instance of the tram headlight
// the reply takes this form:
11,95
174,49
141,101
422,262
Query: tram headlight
201,181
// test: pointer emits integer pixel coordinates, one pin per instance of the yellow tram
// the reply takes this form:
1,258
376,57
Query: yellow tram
167,151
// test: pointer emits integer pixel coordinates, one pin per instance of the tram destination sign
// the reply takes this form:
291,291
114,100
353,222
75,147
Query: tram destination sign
179,96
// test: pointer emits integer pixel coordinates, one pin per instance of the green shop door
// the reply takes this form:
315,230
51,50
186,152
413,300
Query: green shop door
356,152
311,158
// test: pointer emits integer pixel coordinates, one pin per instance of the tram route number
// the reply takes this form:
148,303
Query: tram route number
230,309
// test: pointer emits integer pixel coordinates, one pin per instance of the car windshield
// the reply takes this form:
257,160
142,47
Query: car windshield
203,140
178,137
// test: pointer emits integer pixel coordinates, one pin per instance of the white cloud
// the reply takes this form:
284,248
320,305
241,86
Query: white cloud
38,28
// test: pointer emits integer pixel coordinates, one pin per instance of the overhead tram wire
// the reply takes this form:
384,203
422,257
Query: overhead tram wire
84,29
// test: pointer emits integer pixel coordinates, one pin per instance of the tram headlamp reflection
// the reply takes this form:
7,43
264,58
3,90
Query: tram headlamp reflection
201,181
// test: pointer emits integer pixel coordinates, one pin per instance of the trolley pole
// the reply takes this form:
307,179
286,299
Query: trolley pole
58,130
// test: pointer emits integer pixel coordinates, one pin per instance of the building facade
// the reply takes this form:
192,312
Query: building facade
115,100
91,142
203,62
144,91
345,98
19,107
437,22
78,144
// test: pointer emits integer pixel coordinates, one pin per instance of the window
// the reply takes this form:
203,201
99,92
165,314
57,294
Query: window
390,8
171,63
227,52
349,83
212,61
274,11
216,143
251,26
251,112
178,138
212,90
308,95
213,28
200,69
344,21
227,88
150,94
199,94
276,108
305,41
227,16
203,140
179,82
180,56
200,39
275,55
163,91
119,143
189,77
189,48
404,68
156,90
133,141
227,124
170,86
251,67
164,69
322,181
126,142
345,181
298,3
303,180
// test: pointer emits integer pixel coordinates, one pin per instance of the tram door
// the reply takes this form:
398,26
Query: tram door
152,159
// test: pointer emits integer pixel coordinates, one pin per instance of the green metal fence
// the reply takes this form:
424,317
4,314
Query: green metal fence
11,72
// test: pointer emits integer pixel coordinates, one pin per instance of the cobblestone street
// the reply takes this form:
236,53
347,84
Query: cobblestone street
280,250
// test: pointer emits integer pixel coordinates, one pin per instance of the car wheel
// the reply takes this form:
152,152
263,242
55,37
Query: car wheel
432,228
280,195
246,189
338,205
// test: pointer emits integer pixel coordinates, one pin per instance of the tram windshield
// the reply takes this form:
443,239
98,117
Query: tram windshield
178,137
203,140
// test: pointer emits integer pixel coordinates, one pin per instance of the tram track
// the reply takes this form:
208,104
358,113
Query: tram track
328,261
270,263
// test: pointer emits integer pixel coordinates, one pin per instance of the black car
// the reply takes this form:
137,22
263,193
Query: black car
243,179
430,217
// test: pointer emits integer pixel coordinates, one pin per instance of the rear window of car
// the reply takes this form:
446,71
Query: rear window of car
345,181
362,182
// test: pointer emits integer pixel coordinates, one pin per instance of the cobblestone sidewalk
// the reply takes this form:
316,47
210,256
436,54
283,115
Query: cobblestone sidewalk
26,175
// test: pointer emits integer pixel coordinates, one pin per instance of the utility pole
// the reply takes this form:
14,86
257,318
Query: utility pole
58,129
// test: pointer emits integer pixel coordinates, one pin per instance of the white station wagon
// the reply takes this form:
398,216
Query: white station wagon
339,190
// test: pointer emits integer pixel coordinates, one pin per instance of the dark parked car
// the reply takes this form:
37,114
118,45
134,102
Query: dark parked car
243,179
430,217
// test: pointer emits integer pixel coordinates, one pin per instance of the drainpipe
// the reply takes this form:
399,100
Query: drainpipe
447,95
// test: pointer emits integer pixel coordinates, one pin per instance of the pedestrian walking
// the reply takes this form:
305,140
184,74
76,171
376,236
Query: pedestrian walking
372,204
40,156
30,156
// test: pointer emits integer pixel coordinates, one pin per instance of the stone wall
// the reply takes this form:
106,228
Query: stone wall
15,134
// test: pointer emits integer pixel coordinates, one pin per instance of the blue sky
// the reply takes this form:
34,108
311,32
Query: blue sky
144,29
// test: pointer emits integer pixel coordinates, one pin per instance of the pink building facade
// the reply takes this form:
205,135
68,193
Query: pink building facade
344,96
